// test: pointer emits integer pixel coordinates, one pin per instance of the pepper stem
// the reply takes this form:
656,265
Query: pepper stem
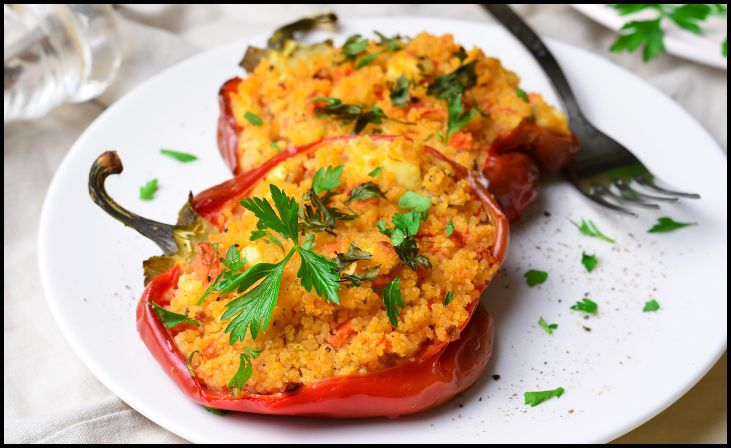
107,164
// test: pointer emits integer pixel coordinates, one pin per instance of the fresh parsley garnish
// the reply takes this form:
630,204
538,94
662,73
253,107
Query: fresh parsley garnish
457,117
521,94
214,411
406,226
245,370
449,228
346,259
365,191
536,398
587,227
393,300
651,306
386,43
376,171
589,261
252,310
147,191
448,298
189,363
454,84
349,113
649,33
585,305
416,202
327,178
270,237
353,46
170,319
253,118
179,156
229,278
546,326
400,92
534,277
666,224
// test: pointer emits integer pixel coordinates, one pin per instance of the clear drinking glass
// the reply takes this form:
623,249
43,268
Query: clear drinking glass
55,54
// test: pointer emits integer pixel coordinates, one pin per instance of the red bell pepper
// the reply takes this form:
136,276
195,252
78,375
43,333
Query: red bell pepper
435,375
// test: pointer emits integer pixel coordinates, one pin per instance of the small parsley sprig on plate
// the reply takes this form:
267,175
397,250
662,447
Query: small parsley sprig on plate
147,191
649,33
170,319
548,328
650,306
535,277
538,397
586,305
587,227
589,261
666,224
178,155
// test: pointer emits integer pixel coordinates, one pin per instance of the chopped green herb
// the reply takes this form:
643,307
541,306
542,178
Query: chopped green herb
367,59
666,224
365,191
546,326
170,319
393,300
258,234
585,305
353,46
147,191
536,398
534,277
589,228
189,363
455,83
376,172
245,370
449,228
416,202
448,298
327,178
354,254
457,118
402,238
317,215
400,92
460,54
179,156
650,32
650,306
521,94
589,261
253,118
389,43
218,412
350,113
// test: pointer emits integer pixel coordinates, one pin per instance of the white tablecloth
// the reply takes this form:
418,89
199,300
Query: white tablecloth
49,396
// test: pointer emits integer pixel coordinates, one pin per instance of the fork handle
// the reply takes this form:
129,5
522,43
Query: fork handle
505,15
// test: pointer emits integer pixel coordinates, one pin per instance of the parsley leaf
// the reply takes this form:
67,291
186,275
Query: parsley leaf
393,300
651,306
534,277
317,215
258,234
286,223
455,83
457,118
170,319
587,227
416,202
349,113
147,191
389,43
375,172
400,91
357,279
179,156
449,228
521,94
666,224
214,411
245,370
589,261
253,310
319,272
538,397
402,238
365,191
253,118
354,254
367,59
546,326
585,305
448,298
327,178
353,46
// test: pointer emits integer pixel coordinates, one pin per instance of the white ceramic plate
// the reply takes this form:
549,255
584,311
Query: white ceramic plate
626,370
704,48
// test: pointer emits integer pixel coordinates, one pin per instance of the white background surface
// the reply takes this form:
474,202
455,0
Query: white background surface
48,396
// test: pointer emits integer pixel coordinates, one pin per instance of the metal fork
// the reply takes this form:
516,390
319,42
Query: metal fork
604,170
